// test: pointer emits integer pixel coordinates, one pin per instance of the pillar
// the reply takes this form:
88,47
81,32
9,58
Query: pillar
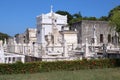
23,59
86,49
65,49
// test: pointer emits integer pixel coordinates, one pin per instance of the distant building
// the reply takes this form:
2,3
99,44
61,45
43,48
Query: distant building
100,38
99,32
69,36
29,36
52,40
20,38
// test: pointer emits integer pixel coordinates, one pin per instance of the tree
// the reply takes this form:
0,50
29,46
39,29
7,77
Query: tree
76,18
114,18
103,18
3,36
89,18
85,18
92,18
77,15
69,16
111,13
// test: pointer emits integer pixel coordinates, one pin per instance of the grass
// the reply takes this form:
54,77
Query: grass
94,74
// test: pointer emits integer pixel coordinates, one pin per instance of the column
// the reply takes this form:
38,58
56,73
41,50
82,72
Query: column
23,49
86,49
94,35
23,59
65,49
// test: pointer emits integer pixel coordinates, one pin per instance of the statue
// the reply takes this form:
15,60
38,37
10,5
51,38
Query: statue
49,39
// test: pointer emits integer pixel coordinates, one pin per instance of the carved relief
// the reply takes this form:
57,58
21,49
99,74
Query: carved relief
49,39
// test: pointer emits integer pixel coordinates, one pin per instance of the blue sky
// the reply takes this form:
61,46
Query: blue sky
17,15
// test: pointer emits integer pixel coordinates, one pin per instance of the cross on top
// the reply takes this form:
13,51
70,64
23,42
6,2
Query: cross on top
51,8
53,17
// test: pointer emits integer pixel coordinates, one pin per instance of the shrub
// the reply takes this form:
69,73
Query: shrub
34,67
19,68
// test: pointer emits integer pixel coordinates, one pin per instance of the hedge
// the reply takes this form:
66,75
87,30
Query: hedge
19,68
34,67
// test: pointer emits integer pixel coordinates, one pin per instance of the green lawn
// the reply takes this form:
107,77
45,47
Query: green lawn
96,74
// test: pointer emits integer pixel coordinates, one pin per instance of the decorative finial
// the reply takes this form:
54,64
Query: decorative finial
51,8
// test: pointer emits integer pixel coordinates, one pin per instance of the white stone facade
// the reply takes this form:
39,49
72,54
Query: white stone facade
6,57
98,37
46,23
52,40
29,36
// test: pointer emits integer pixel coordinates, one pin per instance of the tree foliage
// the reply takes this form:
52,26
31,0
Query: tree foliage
77,15
103,18
3,36
69,16
76,18
89,18
114,18
112,12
